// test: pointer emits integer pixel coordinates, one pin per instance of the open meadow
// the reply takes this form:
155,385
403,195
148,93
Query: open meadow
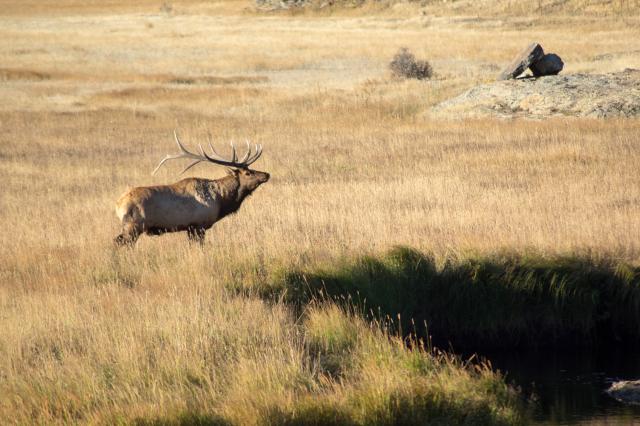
90,93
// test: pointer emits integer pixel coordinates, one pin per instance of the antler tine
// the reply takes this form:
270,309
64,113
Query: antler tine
247,154
215,155
168,157
214,151
234,158
182,148
184,153
255,156
191,165
217,159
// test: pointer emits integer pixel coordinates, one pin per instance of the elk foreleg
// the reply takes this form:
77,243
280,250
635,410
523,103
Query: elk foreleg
196,234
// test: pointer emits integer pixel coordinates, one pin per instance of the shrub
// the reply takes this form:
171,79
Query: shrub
404,64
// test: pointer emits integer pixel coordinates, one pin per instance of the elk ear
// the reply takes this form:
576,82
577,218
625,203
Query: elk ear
232,171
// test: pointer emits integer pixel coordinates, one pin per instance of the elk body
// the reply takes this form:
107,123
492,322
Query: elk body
191,204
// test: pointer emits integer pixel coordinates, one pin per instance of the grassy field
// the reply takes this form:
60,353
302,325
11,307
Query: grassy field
167,332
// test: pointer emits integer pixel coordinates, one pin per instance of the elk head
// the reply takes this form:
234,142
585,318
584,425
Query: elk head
249,179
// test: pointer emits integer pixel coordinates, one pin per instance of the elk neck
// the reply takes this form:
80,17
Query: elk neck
232,194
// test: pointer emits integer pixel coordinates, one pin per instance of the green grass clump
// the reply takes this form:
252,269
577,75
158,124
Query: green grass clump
381,381
332,337
504,300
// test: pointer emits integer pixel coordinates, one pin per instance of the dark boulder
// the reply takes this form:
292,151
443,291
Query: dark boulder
549,64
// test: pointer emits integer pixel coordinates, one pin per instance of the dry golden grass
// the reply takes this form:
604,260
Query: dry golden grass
88,104
348,176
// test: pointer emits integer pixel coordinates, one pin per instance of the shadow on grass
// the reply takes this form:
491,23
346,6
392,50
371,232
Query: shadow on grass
494,301
398,410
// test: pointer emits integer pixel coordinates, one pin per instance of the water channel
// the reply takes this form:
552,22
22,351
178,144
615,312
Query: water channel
569,385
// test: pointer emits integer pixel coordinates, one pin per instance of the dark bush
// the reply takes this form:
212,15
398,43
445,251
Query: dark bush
405,65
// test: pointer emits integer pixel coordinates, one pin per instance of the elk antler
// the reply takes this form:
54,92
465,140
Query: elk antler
214,157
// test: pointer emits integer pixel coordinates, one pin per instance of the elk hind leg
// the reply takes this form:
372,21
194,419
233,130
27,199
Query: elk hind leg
196,234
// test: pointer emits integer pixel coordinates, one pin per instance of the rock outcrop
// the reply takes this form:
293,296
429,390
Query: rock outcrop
626,391
582,95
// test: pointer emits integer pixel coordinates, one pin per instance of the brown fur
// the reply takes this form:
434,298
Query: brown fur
191,204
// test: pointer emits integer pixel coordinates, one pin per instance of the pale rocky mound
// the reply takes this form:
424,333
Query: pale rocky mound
580,95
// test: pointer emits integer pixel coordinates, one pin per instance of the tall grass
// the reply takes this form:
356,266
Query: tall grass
380,381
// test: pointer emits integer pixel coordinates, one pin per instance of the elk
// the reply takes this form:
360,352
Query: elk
191,204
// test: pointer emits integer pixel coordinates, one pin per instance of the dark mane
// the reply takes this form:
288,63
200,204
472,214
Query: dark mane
232,194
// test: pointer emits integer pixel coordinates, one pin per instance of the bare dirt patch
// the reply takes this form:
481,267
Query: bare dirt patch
11,74
214,80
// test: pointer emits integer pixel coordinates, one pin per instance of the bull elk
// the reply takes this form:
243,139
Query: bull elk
191,204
